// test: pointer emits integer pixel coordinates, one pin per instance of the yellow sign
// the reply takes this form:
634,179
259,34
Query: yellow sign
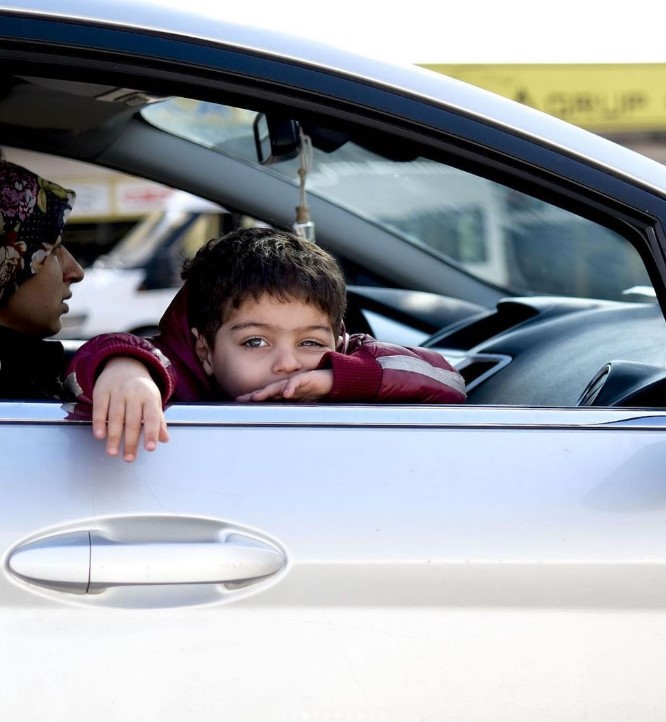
602,98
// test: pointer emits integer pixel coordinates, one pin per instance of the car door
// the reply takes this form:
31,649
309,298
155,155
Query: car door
339,562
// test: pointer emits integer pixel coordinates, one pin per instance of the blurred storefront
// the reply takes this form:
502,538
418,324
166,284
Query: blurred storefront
625,102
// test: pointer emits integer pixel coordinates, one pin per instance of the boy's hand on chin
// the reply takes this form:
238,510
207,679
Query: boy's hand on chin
306,386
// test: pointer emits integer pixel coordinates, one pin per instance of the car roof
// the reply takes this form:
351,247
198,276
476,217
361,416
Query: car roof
411,79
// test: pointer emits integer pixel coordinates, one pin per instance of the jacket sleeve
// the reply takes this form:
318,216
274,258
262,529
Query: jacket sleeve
89,360
375,371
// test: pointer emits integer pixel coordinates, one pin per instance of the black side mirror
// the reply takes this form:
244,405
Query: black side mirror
275,138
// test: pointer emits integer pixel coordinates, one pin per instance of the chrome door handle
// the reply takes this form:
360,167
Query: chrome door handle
81,560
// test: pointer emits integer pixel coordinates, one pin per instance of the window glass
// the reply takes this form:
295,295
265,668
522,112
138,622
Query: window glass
504,237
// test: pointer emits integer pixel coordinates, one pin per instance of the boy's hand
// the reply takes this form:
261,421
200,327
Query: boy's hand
125,395
306,386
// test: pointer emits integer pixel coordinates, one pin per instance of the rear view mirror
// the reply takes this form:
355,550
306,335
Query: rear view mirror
276,138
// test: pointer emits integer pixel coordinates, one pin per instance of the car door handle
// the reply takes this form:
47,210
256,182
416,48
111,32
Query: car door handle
84,560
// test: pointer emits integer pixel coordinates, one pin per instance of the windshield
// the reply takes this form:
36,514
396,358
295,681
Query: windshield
510,239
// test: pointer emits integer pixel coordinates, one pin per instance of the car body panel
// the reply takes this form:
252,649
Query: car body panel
447,585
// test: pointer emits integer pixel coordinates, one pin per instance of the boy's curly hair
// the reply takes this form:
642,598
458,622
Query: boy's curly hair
252,262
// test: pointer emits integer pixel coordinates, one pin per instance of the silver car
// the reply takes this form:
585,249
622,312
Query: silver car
500,560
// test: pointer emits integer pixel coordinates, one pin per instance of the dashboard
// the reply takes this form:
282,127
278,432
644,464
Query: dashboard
555,351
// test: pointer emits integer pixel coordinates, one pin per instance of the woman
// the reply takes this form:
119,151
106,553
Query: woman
36,272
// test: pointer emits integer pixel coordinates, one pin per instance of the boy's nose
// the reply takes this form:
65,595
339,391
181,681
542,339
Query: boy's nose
286,361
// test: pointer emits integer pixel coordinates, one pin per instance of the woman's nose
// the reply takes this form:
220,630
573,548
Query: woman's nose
71,269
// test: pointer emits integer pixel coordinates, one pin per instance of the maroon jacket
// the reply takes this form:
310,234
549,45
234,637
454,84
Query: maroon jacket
363,369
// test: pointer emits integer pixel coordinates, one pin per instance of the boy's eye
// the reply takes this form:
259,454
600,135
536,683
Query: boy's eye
312,342
254,342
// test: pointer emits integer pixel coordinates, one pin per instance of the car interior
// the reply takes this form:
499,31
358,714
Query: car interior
505,283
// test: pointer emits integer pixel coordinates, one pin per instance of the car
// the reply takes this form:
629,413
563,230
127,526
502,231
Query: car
501,559
129,288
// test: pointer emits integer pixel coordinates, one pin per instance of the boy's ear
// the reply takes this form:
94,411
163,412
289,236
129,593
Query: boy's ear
203,351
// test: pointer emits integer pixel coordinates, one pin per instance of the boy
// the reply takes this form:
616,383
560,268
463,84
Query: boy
258,318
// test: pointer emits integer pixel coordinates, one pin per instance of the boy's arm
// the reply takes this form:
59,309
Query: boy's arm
126,380
90,359
374,371
125,401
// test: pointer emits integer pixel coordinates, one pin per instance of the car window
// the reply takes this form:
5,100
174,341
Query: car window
512,240
431,254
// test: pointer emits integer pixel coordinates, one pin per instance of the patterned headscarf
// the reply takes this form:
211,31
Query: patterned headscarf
33,212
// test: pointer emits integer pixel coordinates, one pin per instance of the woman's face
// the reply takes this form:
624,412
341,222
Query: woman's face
36,307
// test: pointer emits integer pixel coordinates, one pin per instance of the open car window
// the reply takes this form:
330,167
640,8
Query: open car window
528,292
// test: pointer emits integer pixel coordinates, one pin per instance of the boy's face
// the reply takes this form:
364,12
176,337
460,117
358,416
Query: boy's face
266,341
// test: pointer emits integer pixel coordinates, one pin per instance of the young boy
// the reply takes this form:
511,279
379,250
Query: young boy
259,317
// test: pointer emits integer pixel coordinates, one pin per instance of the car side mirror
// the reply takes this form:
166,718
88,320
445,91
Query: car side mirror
275,138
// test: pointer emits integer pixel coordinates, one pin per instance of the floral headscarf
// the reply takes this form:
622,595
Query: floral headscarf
33,212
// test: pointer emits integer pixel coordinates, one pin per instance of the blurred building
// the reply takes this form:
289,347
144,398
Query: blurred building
622,101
